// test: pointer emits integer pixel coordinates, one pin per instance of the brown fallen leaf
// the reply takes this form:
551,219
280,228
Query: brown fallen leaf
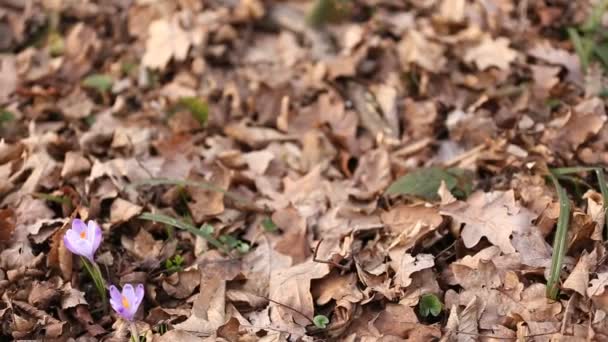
494,215
75,163
294,241
396,320
578,280
8,78
373,174
544,51
491,52
296,278
337,287
405,265
416,48
7,224
209,306
166,40
71,297
182,284
411,224
122,211
206,203
143,246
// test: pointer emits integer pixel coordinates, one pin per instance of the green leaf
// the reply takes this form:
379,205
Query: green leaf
422,183
559,242
100,82
321,321
429,304
53,198
601,52
595,19
56,44
6,116
205,231
553,103
583,47
198,108
268,225
243,247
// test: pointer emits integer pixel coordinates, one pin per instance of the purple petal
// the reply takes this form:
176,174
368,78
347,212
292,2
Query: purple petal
127,314
139,295
116,299
129,292
75,244
79,226
96,234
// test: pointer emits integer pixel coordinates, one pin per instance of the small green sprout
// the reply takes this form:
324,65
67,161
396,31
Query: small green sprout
429,305
321,321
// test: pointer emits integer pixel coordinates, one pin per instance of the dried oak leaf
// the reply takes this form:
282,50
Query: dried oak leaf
294,241
143,246
297,279
406,265
167,39
74,163
545,52
337,287
491,52
416,48
207,202
578,280
71,297
123,211
494,215
42,293
181,284
597,291
411,223
209,306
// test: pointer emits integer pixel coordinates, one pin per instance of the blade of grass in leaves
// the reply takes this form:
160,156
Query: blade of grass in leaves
559,243
582,45
185,226
422,183
604,189
52,198
595,18
203,185
559,171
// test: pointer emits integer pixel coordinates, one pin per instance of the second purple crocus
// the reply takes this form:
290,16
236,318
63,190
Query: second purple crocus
127,302
83,239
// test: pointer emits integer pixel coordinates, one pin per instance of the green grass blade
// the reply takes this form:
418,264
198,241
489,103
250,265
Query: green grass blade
185,226
180,182
559,243
560,171
583,47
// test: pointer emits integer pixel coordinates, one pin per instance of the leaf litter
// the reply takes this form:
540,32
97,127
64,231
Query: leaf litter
381,175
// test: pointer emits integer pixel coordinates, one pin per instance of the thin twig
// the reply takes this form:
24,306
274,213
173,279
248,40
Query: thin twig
329,262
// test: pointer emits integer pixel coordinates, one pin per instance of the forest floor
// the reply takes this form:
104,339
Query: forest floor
371,170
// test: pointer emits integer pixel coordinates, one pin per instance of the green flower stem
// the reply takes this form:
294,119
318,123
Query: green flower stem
98,281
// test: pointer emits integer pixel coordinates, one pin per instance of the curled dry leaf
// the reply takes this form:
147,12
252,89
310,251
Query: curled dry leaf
578,280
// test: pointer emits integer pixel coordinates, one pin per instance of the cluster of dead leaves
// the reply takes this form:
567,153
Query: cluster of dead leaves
306,129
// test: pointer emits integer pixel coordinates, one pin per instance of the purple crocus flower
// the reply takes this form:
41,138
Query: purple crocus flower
83,239
127,302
